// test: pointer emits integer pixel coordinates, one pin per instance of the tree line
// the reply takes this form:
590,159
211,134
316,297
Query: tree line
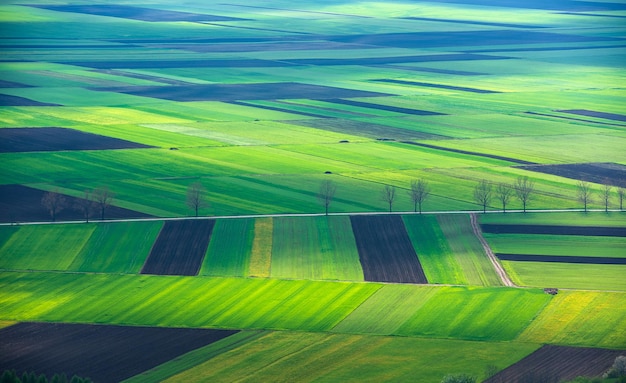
98,200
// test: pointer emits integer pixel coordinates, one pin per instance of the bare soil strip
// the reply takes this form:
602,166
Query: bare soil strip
552,364
571,118
494,261
561,259
103,353
385,250
592,113
180,248
439,86
614,174
19,203
14,140
555,230
277,109
508,159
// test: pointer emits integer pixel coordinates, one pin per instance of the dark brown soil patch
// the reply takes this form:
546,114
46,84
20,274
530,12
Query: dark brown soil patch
388,108
235,92
493,156
385,250
439,86
561,259
367,129
553,364
591,113
600,173
7,100
555,230
20,203
102,353
180,248
135,13
55,139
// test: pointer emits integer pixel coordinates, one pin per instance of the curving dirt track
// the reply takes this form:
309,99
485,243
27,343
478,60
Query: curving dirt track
494,261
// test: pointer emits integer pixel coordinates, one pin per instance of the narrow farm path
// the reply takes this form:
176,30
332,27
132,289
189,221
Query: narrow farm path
499,269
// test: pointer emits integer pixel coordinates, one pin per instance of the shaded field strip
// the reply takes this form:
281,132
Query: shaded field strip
19,203
368,61
276,109
430,70
180,248
140,76
8,100
170,64
11,84
238,92
572,119
472,22
597,231
600,173
558,363
13,140
591,113
367,129
561,259
439,86
387,108
135,13
103,353
492,156
549,49
385,250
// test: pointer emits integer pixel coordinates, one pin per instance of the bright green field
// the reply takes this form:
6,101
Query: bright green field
315,248
229,250
319,357
567,275
572,245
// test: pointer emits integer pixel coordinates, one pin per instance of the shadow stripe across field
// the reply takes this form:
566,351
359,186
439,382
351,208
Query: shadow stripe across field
555,230
180,248
385,250
102,353
561,259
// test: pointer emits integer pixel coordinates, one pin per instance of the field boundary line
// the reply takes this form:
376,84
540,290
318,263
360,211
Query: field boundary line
499,269
435,212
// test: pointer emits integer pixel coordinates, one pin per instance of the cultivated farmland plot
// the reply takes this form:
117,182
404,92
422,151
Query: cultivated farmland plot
262,102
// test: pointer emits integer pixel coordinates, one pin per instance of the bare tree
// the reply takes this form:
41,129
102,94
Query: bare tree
524,189
584,193
326,194
504,192
196,197
606,195
86,205
420,190
103,197
54,202
482,194
620,193
388,195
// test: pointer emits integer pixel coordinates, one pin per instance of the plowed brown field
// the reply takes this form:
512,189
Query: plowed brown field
385,250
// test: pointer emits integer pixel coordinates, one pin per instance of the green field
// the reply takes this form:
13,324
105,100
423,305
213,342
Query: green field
261,103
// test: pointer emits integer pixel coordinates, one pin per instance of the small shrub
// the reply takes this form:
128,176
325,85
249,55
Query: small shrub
458,378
